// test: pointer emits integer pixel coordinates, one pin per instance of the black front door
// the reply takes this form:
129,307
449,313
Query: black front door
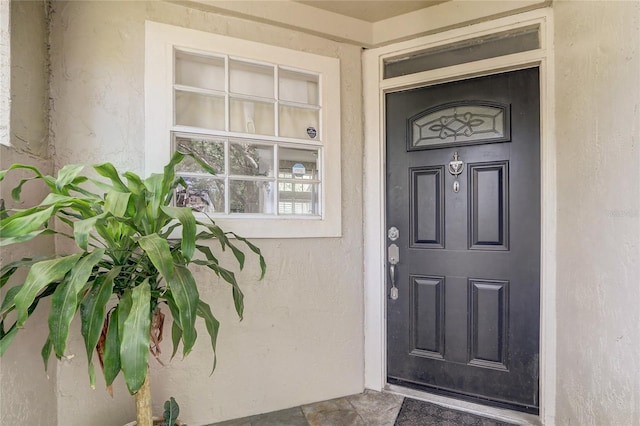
463,192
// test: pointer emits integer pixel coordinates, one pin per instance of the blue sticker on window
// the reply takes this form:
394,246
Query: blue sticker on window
298,169
311,131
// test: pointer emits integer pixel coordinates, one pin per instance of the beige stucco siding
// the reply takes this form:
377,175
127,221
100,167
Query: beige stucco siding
27,395
598,165
302,336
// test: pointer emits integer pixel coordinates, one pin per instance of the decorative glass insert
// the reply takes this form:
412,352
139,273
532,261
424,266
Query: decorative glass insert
459,124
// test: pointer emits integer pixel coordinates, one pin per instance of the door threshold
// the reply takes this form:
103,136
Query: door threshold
501,414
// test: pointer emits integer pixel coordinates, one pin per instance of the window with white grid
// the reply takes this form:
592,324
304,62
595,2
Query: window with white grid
265,118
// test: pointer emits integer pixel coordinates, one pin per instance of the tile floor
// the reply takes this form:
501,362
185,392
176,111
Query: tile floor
365,409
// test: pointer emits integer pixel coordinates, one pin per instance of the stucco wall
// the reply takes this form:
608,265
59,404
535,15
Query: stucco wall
597,120
27,396
302,336
29,77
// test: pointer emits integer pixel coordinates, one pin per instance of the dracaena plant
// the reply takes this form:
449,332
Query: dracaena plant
127,263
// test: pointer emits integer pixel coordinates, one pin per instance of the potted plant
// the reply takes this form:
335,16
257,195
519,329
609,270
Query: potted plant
126,265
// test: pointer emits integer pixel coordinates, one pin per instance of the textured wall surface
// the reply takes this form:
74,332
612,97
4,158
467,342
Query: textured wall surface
302,336
29,77
27,396
597,121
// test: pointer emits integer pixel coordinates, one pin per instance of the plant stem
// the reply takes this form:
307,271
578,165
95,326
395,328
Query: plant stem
143,404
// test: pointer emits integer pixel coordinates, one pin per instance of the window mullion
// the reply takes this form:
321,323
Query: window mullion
276,174
227,114
276,92
227,196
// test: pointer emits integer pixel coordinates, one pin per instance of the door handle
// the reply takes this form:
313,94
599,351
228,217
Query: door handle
393,259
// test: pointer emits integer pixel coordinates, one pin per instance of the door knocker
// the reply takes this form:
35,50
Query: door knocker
456,166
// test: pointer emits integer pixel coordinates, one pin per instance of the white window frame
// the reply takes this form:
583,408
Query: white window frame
160,42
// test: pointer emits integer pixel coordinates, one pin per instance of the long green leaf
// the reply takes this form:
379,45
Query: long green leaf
256,250
111,355
64,302
8,303
82,229
155,198
17,191
39,276
46,353
134,348
208,253
157,248
10,268
20,166
185,293
26,237
176,336
239,255
67,175
135,184
25,222
6,340
116,203
228,276
124,307
107,170
185,216
213,325
176,329
92,313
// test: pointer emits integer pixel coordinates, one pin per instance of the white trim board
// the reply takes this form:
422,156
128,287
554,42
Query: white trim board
374,184
312,20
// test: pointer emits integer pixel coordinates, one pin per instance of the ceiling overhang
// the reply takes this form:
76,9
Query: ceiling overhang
328,24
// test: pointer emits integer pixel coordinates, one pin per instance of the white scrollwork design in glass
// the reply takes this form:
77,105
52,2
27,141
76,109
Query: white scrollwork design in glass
466,123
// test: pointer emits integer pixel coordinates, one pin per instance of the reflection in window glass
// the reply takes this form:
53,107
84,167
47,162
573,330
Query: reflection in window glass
201,194
298,163
298,198
249,159
249,196
210,150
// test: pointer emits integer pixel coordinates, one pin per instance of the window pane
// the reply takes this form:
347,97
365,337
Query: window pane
250,196
252,117
193,109
298,198
249,159
199,71
210,150
298,87
297,163
202,194
251,79
495,45
301,123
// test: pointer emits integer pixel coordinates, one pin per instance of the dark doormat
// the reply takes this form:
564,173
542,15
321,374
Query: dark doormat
421,413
